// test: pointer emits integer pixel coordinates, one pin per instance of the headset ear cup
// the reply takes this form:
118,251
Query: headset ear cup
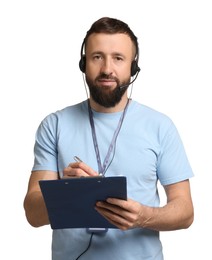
82,63
134,68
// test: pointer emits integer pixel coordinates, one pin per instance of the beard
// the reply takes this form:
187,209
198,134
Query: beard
104,97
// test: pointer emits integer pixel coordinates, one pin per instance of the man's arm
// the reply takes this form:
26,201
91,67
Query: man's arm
34,205
178,213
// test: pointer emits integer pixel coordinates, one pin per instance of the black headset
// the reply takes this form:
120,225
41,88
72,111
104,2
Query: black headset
134,66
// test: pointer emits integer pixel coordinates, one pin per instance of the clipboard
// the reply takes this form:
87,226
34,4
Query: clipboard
70,202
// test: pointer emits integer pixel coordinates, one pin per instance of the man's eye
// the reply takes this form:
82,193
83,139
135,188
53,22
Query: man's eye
97,57
119,58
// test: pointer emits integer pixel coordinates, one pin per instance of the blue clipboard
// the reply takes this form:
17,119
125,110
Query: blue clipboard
70,202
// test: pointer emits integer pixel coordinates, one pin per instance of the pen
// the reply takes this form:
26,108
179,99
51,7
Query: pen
77,159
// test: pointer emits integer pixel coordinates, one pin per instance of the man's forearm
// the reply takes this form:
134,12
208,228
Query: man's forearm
177,214
35,209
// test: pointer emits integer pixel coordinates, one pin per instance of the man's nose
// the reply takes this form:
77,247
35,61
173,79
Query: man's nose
106,67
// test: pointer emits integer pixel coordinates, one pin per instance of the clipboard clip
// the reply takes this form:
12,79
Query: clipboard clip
97,230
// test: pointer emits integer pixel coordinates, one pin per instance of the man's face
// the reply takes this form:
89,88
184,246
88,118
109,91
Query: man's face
108,64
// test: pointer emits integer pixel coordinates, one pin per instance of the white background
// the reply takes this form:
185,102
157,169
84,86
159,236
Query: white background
39,53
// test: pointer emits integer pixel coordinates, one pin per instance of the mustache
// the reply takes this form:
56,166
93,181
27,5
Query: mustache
106,76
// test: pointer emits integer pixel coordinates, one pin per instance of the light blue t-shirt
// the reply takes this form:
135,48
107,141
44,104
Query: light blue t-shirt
148,149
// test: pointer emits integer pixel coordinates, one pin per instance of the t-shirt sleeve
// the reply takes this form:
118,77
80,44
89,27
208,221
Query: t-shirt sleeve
173,165
45,148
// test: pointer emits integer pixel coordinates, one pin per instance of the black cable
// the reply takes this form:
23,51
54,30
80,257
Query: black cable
89,244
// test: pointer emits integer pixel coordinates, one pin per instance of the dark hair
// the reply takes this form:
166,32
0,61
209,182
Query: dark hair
111,26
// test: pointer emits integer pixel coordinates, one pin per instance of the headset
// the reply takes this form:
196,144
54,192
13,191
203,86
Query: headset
134,66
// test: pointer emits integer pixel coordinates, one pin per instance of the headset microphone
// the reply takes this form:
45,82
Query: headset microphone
127,85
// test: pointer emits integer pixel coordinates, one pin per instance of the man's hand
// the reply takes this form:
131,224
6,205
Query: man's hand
123,214
78,169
